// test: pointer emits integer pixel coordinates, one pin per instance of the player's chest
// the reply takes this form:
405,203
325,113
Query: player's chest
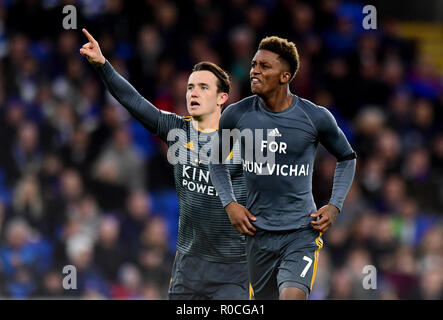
191,153
190,150
287,136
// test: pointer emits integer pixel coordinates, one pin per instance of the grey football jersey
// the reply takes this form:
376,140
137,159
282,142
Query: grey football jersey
204,227
279,192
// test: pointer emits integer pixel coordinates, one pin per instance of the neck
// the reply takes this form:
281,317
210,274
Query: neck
278,100
206,123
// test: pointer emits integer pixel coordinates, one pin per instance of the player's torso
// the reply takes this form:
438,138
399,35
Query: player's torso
204,228
283,144
278,164
189,153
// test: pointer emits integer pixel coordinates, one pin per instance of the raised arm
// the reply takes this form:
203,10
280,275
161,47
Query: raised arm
140,108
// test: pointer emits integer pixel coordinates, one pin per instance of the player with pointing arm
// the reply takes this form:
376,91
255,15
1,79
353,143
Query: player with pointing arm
211,258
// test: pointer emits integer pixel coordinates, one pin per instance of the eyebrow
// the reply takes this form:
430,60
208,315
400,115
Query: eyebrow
260,61
199,84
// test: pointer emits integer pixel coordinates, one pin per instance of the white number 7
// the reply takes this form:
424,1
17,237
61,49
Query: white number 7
305,270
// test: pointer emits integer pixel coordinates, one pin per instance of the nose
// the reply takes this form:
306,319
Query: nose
254,71
194,92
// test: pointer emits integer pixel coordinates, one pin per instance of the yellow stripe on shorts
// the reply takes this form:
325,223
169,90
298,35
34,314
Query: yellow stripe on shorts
251,292
319,243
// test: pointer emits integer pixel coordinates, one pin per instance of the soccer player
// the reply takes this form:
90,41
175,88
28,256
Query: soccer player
211,259
281,221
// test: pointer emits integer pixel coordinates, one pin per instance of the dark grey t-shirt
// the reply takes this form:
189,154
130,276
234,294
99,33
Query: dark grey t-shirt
204,227
279,192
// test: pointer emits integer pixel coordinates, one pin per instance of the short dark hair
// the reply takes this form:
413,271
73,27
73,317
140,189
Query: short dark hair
285,49
223,83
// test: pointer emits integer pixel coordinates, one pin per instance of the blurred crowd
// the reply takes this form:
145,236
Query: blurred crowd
83,184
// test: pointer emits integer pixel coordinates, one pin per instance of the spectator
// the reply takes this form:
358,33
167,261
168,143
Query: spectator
129,166
403,274
77,152
26,152
51,286
80,254
28,203
109,253
24,257
154,256
129,284
431,285
134,219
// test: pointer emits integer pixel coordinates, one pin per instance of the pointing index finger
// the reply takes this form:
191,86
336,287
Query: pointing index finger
88,35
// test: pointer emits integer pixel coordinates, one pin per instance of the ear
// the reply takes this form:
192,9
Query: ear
285,76
222,98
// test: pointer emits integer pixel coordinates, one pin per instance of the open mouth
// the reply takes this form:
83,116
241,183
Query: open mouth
195,104
255,80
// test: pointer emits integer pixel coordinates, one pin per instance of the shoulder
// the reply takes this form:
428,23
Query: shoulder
234,112
311,108
320,116
241,106
169,116
168,121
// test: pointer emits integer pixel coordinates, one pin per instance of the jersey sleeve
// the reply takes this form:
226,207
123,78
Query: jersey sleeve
168,121
230,116
222,144
331,136
224,141
334,140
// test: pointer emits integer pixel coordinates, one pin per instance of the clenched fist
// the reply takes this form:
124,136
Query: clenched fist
91,50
